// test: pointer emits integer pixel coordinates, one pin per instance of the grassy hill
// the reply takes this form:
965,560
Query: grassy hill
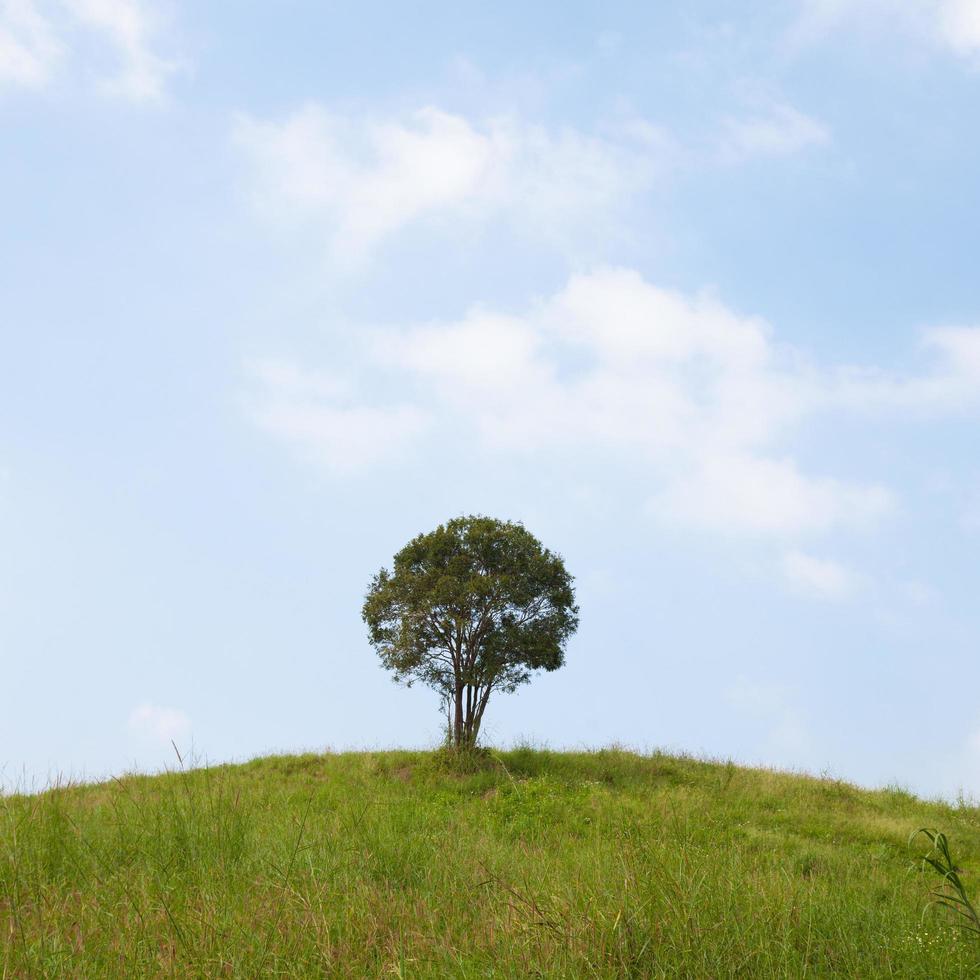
602,864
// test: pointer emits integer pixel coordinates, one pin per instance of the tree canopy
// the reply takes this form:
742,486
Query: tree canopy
473,607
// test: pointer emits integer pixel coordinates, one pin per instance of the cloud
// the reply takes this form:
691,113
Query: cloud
769,496
699,402
952,385
161,724
953,24
318,416
959,348
695,395
655,372
130,27
959,25
29,48
360,180
356,181
820,578
38,39
778,130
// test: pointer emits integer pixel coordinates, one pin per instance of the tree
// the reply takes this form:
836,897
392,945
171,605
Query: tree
473,607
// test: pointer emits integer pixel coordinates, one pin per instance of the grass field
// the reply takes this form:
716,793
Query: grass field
602,864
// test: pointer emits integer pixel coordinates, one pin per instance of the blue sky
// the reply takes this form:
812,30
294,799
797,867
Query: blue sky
690,291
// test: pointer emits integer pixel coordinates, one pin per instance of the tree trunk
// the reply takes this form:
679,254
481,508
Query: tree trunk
468,706
479,708
472,713
458,717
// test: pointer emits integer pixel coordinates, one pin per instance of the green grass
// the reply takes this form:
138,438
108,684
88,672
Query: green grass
600,864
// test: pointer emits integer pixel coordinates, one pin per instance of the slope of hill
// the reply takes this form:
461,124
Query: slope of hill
602,864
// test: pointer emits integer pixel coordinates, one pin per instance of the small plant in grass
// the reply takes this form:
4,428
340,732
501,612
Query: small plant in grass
951,894
463,760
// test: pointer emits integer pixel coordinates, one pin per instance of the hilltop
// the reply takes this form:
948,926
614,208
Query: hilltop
534,863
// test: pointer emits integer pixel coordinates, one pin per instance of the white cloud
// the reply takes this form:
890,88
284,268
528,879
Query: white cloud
161,724
29,49
960,349
765,495
693,393
700,400
362,179
959,25
954,24
37,39
821,578
953,384
778,130
358,180
130,26
657,372
318,416
697,392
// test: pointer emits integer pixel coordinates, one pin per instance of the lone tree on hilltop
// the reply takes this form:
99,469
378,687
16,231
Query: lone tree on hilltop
473,607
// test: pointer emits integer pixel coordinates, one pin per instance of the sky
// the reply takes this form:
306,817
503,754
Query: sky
690,290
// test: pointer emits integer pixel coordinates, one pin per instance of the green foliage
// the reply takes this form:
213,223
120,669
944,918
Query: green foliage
497,864
463,760
951,895
475,606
